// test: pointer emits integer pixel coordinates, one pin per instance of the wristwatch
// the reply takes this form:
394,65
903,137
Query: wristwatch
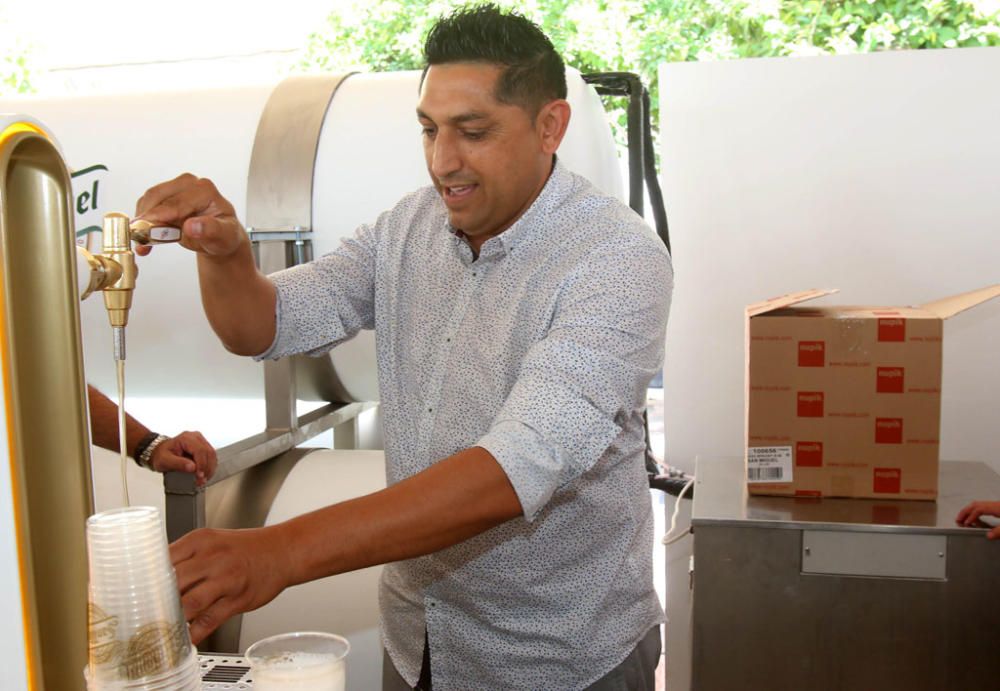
144,450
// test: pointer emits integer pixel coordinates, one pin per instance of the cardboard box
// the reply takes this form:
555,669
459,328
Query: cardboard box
846,401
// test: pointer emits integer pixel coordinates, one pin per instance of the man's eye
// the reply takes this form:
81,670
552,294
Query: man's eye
474,135
429,132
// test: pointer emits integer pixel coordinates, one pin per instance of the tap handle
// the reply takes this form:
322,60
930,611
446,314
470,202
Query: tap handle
145,233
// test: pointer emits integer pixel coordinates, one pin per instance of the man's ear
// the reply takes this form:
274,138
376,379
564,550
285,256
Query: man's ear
551,123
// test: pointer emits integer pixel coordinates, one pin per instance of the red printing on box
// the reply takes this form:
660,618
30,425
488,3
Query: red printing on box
887,480
892,329
810,404
888,430
889,380
809,454
812,353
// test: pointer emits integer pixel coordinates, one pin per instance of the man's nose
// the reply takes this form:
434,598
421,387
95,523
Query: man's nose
445,159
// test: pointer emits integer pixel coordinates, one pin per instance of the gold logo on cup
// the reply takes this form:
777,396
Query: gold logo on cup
103,647
155,648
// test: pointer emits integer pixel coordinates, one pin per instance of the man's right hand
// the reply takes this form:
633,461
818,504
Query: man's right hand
238,300
207,220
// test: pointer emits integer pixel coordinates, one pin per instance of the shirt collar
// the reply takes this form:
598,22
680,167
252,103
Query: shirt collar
526,230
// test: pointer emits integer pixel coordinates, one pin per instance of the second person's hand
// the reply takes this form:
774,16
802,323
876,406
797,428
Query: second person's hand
188,452
970,516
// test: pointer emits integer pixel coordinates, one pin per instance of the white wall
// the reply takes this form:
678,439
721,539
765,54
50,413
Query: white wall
875,174
872,173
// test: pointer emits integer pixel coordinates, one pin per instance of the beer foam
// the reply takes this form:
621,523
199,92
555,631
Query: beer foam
299,671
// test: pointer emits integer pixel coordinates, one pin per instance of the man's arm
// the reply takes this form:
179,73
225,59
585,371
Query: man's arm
223,572
239,301
188,452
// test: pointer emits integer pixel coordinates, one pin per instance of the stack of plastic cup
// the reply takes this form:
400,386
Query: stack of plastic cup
138,639
302,661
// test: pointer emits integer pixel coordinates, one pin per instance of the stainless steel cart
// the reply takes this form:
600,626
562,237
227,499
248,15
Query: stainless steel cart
836,594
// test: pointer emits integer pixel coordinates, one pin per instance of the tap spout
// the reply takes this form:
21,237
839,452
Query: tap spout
117,246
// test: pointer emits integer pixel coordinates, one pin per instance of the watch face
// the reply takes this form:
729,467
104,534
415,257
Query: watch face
147,449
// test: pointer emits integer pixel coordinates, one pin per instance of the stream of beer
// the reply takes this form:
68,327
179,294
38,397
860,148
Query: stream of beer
120,364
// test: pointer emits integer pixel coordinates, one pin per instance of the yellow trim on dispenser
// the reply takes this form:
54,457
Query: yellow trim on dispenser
42,368
32,666
16,499
18,128
32,669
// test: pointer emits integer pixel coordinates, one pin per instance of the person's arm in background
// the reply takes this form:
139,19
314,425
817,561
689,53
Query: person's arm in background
188,452
971,514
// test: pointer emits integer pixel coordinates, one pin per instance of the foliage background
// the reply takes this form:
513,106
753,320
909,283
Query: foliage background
15,61
626,35
638,35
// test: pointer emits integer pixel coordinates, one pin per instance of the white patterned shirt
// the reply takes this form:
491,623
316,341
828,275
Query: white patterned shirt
539,351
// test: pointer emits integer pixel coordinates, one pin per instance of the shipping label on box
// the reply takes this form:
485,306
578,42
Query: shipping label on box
845,401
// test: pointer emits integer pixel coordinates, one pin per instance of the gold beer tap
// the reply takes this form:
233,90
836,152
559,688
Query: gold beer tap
114,270
117,247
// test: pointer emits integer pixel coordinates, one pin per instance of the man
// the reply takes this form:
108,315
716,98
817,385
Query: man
188,452
519,317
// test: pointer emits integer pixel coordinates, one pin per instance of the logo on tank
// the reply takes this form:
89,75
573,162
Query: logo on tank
88,193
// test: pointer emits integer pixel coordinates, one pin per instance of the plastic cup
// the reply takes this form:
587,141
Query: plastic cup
302,661
138,639
184,678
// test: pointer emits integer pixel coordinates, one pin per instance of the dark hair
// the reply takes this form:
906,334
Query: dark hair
533,74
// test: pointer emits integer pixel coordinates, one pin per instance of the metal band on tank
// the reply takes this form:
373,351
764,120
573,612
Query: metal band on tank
279,220
280,179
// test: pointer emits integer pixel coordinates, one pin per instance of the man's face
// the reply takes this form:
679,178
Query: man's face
486,158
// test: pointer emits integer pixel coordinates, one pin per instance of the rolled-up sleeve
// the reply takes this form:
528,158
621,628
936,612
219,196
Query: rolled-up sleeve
327,301
580,382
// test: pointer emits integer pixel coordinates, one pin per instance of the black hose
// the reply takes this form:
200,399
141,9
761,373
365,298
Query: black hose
672,485
642,179
652,180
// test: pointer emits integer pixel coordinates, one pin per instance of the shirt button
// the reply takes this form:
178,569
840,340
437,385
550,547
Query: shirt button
473,273
430,410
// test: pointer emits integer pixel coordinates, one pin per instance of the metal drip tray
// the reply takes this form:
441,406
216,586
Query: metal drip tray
220,671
